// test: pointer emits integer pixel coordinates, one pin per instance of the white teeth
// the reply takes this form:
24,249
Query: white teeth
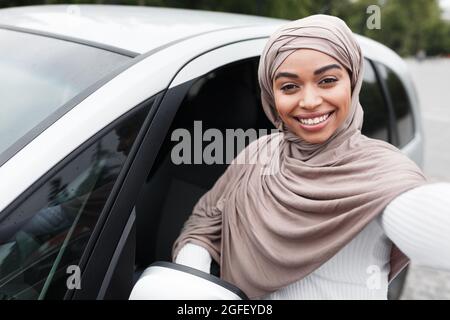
314,121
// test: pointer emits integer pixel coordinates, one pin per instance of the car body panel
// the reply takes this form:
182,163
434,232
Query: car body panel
137,29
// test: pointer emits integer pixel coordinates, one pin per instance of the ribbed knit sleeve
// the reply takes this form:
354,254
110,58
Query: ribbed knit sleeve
418,222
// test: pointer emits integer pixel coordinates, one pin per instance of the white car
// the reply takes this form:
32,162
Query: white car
90,95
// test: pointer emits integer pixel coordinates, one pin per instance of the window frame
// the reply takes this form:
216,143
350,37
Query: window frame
411,110
106,238
394,138
388,105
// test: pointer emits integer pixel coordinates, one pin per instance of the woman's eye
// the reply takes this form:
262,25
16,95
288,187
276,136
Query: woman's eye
287,87
328,80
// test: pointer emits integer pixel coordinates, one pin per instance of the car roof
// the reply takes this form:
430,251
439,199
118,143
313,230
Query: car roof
137,29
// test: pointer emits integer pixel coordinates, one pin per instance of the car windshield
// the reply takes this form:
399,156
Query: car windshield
39,75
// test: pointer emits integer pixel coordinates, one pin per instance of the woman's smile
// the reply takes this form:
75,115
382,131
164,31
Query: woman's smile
316,123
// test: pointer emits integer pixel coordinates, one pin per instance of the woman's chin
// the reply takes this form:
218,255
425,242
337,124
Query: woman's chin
313,138
316,140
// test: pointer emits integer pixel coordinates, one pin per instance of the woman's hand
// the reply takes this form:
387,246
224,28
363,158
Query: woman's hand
194,256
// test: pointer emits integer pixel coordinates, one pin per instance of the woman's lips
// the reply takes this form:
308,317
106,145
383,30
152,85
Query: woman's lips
315,127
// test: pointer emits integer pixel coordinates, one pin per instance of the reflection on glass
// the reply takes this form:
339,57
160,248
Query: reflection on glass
39,75
376,115
401,104
49,231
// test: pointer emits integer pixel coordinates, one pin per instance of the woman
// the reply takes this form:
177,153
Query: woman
327,220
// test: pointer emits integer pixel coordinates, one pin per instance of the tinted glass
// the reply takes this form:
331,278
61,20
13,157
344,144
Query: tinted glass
47,233
376,115
39,75
401,104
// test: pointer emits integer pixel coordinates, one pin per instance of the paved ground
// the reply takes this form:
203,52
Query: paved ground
433,85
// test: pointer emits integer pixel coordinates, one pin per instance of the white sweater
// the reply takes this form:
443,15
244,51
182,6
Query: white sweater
417,221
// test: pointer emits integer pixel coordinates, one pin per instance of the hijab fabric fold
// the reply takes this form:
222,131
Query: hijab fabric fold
285,206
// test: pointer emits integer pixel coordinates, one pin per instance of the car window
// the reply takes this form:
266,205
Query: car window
225,98
401,104
39,75
45,234
376,114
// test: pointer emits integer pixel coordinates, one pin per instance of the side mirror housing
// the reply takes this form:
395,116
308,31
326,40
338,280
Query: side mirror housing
164,280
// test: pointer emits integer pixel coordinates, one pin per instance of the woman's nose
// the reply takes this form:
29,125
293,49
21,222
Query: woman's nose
310,99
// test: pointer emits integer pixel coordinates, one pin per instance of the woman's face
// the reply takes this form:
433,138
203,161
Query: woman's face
312,94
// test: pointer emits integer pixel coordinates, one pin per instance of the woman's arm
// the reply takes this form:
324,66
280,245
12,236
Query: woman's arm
418,222
194,256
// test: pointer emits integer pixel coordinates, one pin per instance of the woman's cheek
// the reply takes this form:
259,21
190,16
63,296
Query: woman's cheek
340,98
282,104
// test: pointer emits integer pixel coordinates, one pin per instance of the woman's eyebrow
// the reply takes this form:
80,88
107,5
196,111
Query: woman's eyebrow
286,75
318,71
325,68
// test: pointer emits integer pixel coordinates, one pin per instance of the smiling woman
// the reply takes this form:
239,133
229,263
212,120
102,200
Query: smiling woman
330,223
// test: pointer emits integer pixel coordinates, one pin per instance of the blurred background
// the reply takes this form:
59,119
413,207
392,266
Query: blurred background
418,30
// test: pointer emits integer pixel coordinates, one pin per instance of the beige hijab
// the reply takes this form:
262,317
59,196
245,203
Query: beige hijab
269,230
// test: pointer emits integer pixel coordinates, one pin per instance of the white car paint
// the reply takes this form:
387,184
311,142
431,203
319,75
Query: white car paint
133,28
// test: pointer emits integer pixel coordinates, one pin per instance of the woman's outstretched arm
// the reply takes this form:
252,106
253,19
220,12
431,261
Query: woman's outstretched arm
418,222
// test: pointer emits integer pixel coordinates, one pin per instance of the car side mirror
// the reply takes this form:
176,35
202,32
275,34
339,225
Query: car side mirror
164,280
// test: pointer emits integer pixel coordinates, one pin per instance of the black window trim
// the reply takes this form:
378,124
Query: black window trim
127,238
108,210
392,129
388,94
106,237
